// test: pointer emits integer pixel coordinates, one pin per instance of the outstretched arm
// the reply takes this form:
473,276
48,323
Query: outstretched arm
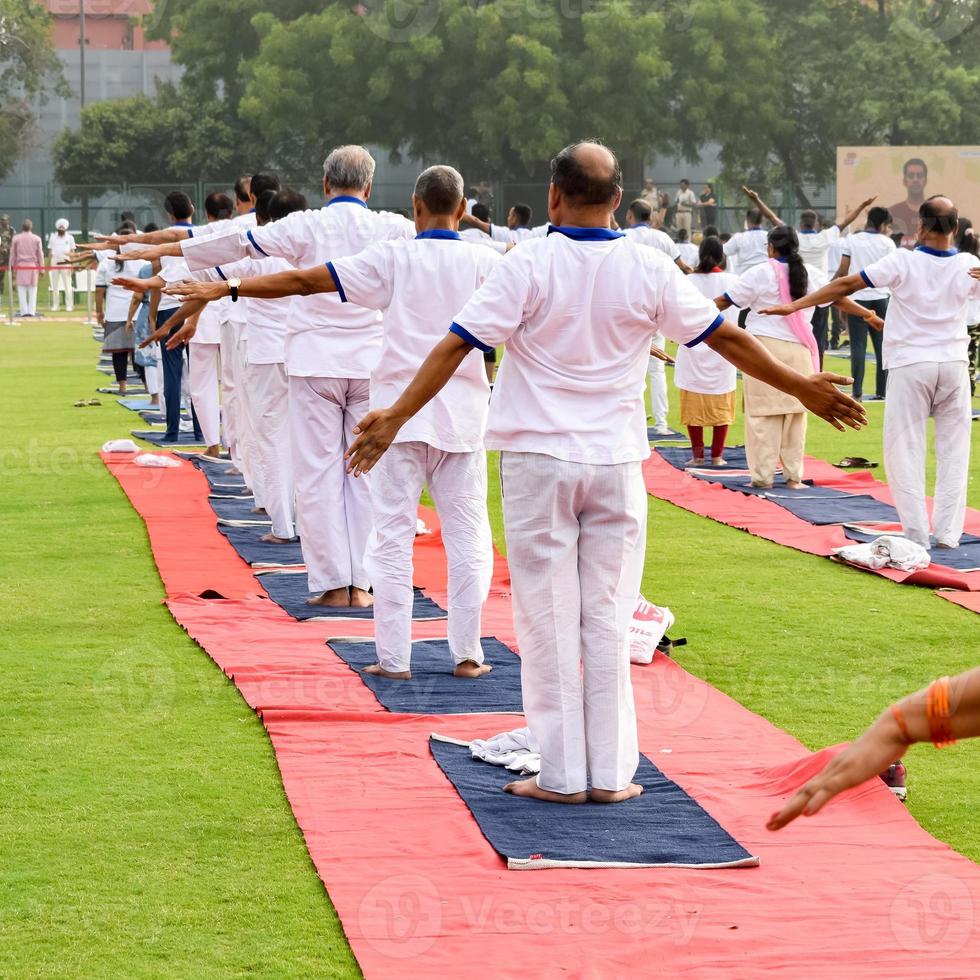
887,739
852,216
293,282
818,392
377,430
831,294
767,212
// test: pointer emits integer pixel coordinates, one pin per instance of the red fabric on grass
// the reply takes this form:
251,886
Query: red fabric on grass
768,520
968,600
861,891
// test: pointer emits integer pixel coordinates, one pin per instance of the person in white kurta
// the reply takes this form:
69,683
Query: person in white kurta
925,352
576,312
331,350
60,245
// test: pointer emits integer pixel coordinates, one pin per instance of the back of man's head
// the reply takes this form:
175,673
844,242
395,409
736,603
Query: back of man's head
753,217
481,211
710,231
641,211
587,174
523,214
440,189
178,205
349,168
218,206
286,201
878,217
938,215
242,188
682,234
263,182
808,219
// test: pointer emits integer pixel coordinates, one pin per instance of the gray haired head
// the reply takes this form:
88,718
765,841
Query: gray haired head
440,189
349,168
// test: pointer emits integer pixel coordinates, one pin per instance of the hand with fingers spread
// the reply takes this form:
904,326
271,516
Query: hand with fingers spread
821,396
183,335
375,433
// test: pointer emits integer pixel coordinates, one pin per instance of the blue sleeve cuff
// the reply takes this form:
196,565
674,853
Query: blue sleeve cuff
730,300
336,281
715,324
190,232
218,269
867,281
469,338
256,245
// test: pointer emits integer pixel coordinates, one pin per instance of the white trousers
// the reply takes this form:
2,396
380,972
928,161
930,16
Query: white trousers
27,297
203,381
154,380
60,281
657,376
230,406
269,462
916,392
458,484
333,508
576,536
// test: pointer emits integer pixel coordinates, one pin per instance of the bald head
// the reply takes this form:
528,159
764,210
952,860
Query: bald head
587,174
938,216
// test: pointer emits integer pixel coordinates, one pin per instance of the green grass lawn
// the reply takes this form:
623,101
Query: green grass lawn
144,829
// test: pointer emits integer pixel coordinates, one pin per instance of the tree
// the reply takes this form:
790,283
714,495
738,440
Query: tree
29,69
132,141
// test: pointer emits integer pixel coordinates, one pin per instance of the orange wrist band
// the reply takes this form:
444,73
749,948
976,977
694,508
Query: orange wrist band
937,713
900,721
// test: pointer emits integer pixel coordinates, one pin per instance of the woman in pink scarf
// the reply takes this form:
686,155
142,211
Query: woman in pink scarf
775,423
26,256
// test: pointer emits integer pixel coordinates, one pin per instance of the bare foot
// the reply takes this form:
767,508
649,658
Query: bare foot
470,668
359,599
155,401
616,796
233,471
332,597
213,451
270,538
530,788
257,510
794,485
761,486
376,670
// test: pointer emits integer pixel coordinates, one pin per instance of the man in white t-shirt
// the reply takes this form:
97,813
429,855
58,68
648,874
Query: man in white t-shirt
60,246
331,350
685,201
576,311
925,353
858,251
442,446
517,229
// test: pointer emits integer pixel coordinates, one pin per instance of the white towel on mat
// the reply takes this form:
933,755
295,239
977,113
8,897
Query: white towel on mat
517,751
888,551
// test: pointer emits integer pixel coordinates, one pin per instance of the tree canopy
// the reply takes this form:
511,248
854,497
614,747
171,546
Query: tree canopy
29,69
496,86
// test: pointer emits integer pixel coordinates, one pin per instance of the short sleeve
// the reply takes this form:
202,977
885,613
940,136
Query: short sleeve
731,246
365,279
831,234
205,253
745,290
883,273
289,238
101,275
500,233
845,247
495,311
683,314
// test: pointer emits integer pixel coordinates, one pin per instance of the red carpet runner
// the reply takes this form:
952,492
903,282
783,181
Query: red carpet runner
861,892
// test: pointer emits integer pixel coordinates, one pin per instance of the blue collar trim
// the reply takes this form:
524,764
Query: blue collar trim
809,231
345,199
251,211
181,224
942,253
585,234
439,233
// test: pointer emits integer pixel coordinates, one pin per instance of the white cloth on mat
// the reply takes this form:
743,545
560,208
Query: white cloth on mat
120,446
517,751
647,628
888,551
152,459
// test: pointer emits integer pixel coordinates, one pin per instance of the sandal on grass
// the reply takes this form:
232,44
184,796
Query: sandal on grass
855,463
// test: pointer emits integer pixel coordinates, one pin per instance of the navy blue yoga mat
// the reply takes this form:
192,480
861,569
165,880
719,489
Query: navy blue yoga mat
823,505
671,437
130,389
664,827
135,404
433,690
245,540
677,456
290,590
239,509
965,558
183,438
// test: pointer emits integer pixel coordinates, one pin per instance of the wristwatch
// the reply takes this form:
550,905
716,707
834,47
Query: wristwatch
233,285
